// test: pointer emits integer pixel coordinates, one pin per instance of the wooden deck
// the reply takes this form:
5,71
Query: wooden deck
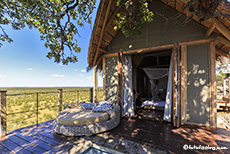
156,134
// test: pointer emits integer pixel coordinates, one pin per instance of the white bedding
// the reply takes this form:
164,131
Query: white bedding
151,102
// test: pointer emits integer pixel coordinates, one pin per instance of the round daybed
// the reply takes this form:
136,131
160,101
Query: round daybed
79,122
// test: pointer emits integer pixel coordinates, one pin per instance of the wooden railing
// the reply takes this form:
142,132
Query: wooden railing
3,104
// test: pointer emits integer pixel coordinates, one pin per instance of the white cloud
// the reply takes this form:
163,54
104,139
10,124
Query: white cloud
83,70
75,70
57,75
2,76
29,69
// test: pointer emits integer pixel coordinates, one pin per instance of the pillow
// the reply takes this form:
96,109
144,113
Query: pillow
106,102
73,105
103,107
88,106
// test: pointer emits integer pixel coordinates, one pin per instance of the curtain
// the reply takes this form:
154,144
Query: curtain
128,90
154,74
168,104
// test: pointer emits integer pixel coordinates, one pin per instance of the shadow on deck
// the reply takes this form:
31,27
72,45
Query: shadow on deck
155,134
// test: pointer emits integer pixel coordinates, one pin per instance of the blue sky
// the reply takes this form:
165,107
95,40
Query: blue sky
23,63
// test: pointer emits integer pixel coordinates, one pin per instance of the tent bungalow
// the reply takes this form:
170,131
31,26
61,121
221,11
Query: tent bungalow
171,64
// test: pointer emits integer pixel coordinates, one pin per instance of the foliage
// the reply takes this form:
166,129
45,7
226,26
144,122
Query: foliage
219,78
132,20
56,20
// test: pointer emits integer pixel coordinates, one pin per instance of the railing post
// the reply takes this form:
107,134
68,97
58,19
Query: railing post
91,95
78,97
95,74
3,115
224,85
37,109
60,100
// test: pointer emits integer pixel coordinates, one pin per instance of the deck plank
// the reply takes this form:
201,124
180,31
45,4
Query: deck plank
34,141
46,136
155,134
47,124
26,145
13,147
53,136
4,150
41,137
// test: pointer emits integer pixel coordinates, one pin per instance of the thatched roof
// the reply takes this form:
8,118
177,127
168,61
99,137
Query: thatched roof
103,32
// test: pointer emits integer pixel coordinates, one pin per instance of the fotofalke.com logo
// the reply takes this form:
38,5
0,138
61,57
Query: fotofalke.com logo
201,147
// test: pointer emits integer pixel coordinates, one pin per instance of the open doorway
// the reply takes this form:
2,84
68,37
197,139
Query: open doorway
150,80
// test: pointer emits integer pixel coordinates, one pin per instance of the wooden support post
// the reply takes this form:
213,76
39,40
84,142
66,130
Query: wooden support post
174,86
59,100
184,100
212,85
123,80
135,87
91,95
104,79
95,85
37,109
158,60
224,86
228,86
178,86
3,115
120,103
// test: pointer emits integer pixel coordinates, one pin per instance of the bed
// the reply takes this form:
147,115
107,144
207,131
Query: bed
151,104
85,122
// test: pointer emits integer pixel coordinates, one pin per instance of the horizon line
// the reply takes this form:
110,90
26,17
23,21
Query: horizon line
50,87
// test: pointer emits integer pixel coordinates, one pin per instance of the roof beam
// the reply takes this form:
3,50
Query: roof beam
158,48
223,40
110,22
102,50
210,30
102,32
112,17
222,53
221,28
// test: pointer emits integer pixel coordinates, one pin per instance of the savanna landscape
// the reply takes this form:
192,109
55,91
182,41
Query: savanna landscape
22,104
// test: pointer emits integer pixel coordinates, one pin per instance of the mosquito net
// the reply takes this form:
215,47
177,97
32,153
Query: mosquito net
155,74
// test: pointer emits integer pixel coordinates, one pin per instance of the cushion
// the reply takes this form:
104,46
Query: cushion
73,105
102,107
106,102
88,106
74,117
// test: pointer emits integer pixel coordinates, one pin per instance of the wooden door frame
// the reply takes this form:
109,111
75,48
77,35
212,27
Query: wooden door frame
176,85
183,75
120,81
212,84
